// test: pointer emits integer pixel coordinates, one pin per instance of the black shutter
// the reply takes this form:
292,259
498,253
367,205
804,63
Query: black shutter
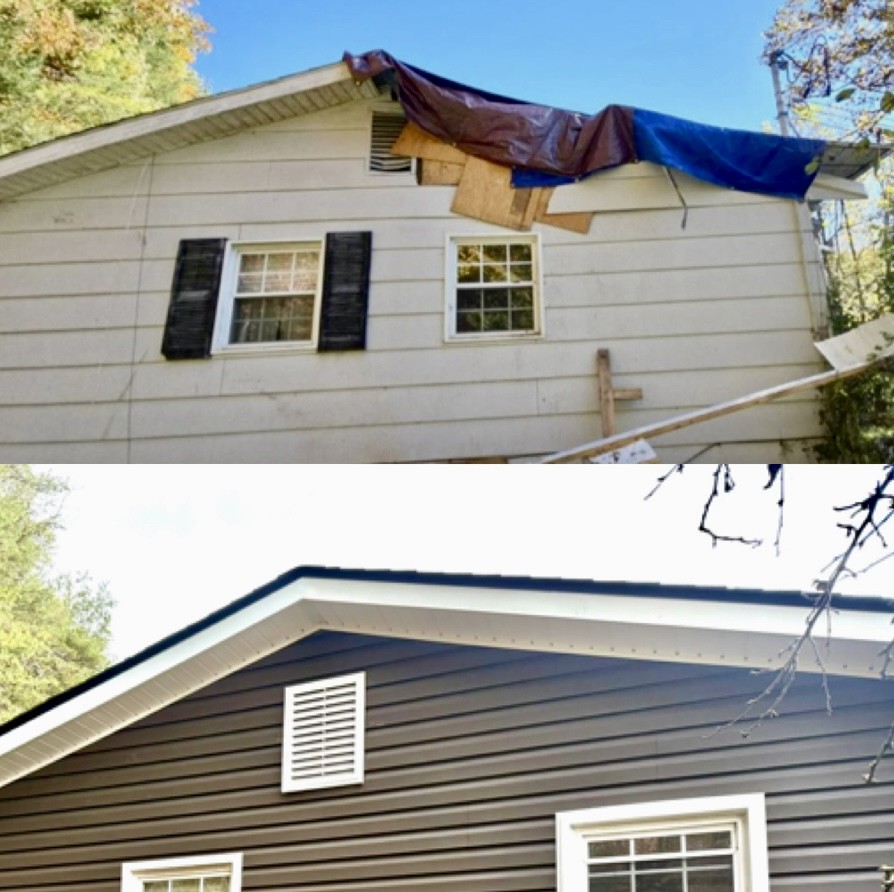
345,291
193,299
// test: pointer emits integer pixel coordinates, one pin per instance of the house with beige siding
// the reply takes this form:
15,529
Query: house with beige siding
342,730
261,276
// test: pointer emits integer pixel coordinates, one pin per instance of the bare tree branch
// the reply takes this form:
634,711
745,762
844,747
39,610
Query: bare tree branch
864,524
724,473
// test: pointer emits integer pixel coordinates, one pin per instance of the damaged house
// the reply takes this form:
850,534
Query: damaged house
366,262
351,730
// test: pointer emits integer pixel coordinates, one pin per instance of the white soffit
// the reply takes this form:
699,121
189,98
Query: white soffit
213,117
713,632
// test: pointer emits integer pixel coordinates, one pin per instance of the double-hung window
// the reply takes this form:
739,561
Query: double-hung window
493,287
300,295
715,844
272,295
205,873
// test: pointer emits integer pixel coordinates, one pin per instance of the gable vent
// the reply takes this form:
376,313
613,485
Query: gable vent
386,128
323,733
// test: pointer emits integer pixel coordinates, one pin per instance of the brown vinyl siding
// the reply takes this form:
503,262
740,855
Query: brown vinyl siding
470,753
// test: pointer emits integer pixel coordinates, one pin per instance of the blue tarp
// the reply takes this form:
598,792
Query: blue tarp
548,146
735,159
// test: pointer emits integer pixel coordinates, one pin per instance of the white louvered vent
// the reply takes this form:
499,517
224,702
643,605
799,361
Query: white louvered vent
323,733
386,128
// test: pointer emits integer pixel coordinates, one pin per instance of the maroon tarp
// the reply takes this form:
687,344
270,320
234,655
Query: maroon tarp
506,131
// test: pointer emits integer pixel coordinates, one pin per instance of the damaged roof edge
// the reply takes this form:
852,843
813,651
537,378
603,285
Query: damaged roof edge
515,583
129,140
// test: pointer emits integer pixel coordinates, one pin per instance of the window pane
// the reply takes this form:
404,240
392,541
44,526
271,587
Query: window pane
672,882
155,886
277,281
610,868
496,321
252,263
468,273
520,253
493,273
468,253
217,884
522,298
699,842
281,261
193,885
496,299
651,845
610,884
304,280
307,260
522,320
714,880
469,299
468,320
250,283
521,272
609,848
493,253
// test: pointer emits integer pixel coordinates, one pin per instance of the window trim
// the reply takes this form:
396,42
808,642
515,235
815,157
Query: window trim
453,241
289,784
747,811
226,303
133,873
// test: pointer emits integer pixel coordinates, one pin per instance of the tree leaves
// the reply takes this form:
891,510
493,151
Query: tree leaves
843,46
53,629
66,65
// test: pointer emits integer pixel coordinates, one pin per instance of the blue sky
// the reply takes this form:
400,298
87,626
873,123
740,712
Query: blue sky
698,59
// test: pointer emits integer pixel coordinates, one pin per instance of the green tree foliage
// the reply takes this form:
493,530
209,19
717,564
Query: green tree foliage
842,51
53,629
839,59
66,65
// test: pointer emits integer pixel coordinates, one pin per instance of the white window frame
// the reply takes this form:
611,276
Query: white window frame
392,112
318,782
451,335
747,812
135,873
226,301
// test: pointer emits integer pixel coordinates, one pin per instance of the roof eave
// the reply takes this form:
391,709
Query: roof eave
455,610
133,139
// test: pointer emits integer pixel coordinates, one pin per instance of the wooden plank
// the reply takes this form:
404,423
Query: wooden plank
606,397
416,143
485,193
608,444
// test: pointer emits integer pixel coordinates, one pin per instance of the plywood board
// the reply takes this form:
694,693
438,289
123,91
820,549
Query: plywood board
416,143
439,173
485,193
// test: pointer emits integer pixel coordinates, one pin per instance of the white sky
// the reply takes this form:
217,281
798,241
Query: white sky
176,542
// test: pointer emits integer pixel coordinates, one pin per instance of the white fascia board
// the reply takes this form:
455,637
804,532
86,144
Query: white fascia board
646,628
826,186
676,630
267,625
166,119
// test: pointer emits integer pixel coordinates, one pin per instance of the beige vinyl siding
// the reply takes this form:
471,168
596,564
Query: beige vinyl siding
691,315
470,753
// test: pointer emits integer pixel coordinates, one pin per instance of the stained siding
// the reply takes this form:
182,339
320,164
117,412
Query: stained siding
470,753
691,315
